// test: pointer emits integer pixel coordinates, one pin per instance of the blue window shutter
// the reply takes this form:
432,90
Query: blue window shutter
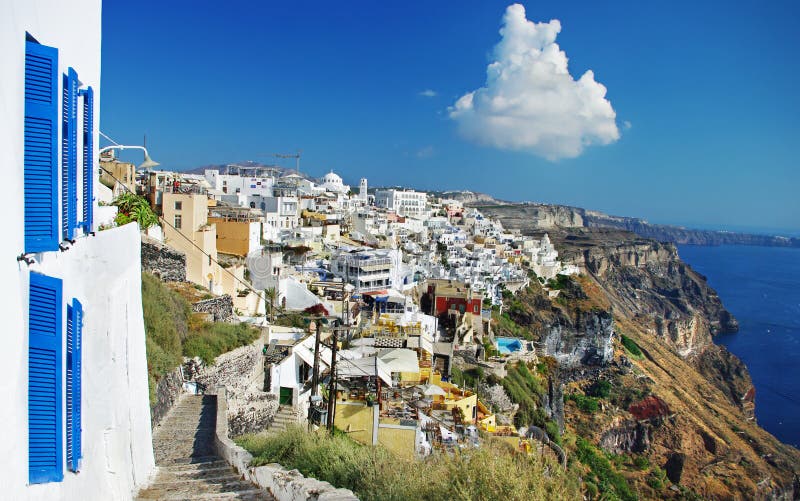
88,159
45,462
41,148
69,155
74,344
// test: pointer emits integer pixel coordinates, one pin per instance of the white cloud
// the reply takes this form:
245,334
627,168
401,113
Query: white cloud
425,152
428,93
530,101
627,124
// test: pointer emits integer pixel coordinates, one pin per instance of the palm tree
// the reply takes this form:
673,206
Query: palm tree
270,294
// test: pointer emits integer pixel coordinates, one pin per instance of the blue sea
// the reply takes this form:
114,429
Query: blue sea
761,287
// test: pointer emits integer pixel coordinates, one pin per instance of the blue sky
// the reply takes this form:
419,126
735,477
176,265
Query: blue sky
709,90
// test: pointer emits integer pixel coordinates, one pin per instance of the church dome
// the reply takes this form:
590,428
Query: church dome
332,178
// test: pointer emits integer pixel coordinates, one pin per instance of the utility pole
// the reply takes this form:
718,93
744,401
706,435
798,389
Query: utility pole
332,386
315,371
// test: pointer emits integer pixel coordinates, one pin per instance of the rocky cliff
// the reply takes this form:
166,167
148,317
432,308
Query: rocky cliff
585,339
533,217
674,400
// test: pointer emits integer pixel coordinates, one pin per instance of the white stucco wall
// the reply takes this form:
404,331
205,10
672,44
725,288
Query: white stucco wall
117,443
103,272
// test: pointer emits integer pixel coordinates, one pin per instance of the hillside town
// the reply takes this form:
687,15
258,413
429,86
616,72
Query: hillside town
400,282
253,331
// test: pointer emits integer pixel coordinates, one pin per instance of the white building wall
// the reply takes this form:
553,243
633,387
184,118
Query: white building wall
117,446
117,441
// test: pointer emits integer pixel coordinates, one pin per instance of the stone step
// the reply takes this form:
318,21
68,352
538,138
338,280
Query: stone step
248,495
188,433
285,418
192,489
194,460
187,467
168,480
199,466
193,416
184,453
169,475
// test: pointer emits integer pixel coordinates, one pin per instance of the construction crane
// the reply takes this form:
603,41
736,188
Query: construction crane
296,156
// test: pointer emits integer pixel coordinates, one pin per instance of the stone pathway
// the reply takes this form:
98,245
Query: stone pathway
187,465
284,417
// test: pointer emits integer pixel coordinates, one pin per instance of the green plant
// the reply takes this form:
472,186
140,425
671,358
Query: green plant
172,331
559,282
551,427
270,296
641,462
493,471
586,404
603,474
526,390
630,345
132,207
212,339
600,389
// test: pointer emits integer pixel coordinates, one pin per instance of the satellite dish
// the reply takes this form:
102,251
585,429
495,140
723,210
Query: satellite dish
259,265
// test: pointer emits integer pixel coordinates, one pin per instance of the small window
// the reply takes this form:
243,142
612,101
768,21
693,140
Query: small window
178,222
178,205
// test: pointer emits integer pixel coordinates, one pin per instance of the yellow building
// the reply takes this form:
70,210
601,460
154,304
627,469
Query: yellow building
237,238
457,397
359,422
188,230
119,176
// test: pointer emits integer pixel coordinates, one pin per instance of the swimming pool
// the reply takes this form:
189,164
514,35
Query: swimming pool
508,345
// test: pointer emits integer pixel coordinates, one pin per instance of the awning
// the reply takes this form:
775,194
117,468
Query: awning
430,390
368,366
376,267
400,360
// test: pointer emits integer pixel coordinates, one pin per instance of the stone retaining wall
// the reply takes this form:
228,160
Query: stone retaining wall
221,308
283,484
168,390
164,262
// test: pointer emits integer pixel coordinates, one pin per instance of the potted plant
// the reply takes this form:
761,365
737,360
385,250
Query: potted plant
370,398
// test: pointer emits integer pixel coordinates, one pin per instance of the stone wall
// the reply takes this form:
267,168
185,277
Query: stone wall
168,390
241,371
221,308
164,262
283,484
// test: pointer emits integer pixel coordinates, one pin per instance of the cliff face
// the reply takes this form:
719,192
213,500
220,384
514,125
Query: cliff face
539,217
707,439
535,216
680,235
683,403
646,282
585,340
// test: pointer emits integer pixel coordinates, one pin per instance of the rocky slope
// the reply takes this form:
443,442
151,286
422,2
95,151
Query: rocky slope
677,402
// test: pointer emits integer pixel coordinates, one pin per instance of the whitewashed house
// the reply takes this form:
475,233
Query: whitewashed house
73,381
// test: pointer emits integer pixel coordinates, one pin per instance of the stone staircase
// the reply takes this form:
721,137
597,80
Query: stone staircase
283,418
188,467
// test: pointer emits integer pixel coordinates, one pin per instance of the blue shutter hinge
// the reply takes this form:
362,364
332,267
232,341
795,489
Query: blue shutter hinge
24,257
